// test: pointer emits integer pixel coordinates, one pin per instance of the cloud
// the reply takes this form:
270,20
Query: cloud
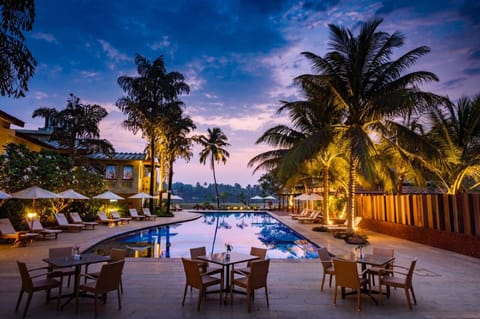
39,95
89,74
164,43
472,71
48,37
112,52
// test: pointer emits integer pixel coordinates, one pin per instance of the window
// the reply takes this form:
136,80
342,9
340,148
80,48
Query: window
127,172
110,172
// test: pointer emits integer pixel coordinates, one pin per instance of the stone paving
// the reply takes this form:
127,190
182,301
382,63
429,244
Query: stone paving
447,285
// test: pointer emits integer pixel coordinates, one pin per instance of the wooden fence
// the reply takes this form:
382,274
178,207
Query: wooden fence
451,213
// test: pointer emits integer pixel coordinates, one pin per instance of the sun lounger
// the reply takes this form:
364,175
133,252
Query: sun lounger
134,214
316,217
8,232
303,213
102,217
76,219
309,213
36,226
148,214
344,226
65,225
123,220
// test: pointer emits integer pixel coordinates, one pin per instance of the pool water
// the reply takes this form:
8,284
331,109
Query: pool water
214,230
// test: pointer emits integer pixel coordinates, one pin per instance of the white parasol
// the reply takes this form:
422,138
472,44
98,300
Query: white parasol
71,194
256,198
141,195
108,195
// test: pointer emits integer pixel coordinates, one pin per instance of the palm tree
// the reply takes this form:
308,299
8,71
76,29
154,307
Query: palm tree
370,89
178,144
214,144
76,127
17,64
149,96
456,130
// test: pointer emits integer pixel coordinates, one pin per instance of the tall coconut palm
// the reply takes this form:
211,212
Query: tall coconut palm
456,130
149,96
178,144
370,88
213,144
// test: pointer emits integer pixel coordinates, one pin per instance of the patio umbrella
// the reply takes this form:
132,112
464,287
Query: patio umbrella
4,195
108,195
71,194
256,198
141,195
301,197
269,197
33,193
164,196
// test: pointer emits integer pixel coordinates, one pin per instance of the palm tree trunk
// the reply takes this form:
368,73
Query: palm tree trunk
169,186
215,182
152,172
351,191
326,191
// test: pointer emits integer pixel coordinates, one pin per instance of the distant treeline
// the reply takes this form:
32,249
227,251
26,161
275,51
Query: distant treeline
206,193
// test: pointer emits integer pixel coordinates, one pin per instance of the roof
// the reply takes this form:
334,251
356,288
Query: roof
119,156
12,119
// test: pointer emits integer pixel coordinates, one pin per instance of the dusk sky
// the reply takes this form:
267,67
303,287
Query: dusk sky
239,58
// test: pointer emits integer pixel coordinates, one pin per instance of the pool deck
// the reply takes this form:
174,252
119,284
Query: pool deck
447,284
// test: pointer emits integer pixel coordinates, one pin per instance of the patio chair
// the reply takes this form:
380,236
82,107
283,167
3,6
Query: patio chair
102,217
381,251
76,219
65,225
117,255
62,252
327,265
256,279
254,251
202,265
304,213
32,281
108,280
134,214
36,226
315,217
148,214
123,220
404,280
199,281
347,276
8,232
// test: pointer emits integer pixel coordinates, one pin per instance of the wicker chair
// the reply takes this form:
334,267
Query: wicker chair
381,251
195,279
117,255
255,279
347,276
327,265
403,281
62,252
108,280
31,283
254,251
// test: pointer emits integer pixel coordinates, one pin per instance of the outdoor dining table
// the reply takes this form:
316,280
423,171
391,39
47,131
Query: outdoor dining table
368,260
70,261
226,262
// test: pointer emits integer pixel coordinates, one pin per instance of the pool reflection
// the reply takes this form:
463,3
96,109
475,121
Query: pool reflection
214,230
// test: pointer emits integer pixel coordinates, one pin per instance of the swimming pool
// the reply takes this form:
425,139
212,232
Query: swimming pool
214,230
